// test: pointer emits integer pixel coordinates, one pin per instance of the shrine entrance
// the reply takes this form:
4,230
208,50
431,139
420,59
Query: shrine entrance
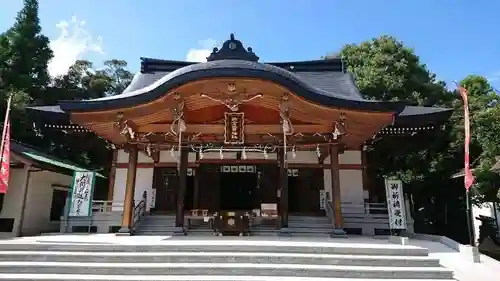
238,188
165,188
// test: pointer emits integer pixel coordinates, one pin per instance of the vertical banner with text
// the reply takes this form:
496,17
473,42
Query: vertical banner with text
395,203
81,194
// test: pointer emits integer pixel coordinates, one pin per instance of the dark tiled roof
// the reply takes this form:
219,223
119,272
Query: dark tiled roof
328,81
342,93
321,81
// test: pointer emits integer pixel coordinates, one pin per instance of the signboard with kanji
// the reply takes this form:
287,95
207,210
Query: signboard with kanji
234,128
80,204
395,203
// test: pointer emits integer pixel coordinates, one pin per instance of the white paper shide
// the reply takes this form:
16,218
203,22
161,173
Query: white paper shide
81,194
395,203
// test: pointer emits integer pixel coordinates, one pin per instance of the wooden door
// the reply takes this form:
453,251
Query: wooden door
310,182
209,186
165,183
268,182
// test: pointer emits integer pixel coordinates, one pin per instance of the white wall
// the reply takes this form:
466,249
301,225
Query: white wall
351,181
39,200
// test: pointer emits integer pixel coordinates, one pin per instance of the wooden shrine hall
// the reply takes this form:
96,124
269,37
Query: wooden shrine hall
232,140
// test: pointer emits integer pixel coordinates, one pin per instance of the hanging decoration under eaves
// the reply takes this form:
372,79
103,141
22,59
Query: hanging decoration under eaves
405,131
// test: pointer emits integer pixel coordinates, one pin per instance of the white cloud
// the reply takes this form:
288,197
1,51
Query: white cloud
201,54
494,77
74,42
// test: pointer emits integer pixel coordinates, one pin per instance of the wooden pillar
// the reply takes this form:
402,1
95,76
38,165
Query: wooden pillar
334,170
366,177
283,180
26,183
196,183
181,192
112,175
128,205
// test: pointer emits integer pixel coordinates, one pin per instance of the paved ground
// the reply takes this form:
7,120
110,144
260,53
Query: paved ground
465,270
487,270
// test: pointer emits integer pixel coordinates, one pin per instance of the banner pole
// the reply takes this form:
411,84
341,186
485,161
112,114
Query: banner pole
469,219
5,121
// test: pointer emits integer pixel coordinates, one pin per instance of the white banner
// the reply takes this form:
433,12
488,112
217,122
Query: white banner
395,203
81,194
322,197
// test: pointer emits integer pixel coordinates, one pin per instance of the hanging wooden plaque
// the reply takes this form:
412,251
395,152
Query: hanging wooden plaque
234,130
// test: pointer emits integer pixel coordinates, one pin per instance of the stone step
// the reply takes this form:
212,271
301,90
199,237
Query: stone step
221,257
156,221
153,233
297,270
152,226
306,225
227,245
88,277
308,219
310,222
311,234
309,230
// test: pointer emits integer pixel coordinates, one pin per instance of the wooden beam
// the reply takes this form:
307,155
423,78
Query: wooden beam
249,128
241,162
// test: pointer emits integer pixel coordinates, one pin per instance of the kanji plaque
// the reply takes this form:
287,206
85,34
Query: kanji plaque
234,132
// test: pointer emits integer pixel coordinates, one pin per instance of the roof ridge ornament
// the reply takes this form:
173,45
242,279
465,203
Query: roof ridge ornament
232,49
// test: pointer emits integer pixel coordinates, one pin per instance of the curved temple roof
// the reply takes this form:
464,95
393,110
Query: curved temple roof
323,81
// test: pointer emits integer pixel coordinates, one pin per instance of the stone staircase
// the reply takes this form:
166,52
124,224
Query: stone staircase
241,258
309,226
300,226
156,225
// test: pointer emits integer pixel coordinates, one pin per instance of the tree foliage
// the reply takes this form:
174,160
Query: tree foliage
385,69
24,57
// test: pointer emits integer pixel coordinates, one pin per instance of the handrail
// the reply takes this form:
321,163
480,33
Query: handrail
139,210
350,208
104,206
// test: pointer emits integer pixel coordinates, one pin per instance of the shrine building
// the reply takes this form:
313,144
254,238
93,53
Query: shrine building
234,142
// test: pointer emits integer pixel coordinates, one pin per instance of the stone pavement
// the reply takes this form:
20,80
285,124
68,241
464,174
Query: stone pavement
464,270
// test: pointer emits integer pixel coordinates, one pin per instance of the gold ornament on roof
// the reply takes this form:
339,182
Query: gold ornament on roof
232,99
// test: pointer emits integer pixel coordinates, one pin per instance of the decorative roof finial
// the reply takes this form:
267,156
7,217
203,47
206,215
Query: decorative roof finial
232,49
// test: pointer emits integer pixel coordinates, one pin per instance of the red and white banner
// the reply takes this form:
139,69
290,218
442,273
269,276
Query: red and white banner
5,164
469,178
5,151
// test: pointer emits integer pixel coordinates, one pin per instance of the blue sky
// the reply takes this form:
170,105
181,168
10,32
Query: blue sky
453,37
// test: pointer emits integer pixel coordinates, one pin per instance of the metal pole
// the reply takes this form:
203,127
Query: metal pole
495,212
470,223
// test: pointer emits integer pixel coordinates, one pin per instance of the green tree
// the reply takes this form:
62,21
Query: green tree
485,135
84,82
385,69
118,75
25,53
